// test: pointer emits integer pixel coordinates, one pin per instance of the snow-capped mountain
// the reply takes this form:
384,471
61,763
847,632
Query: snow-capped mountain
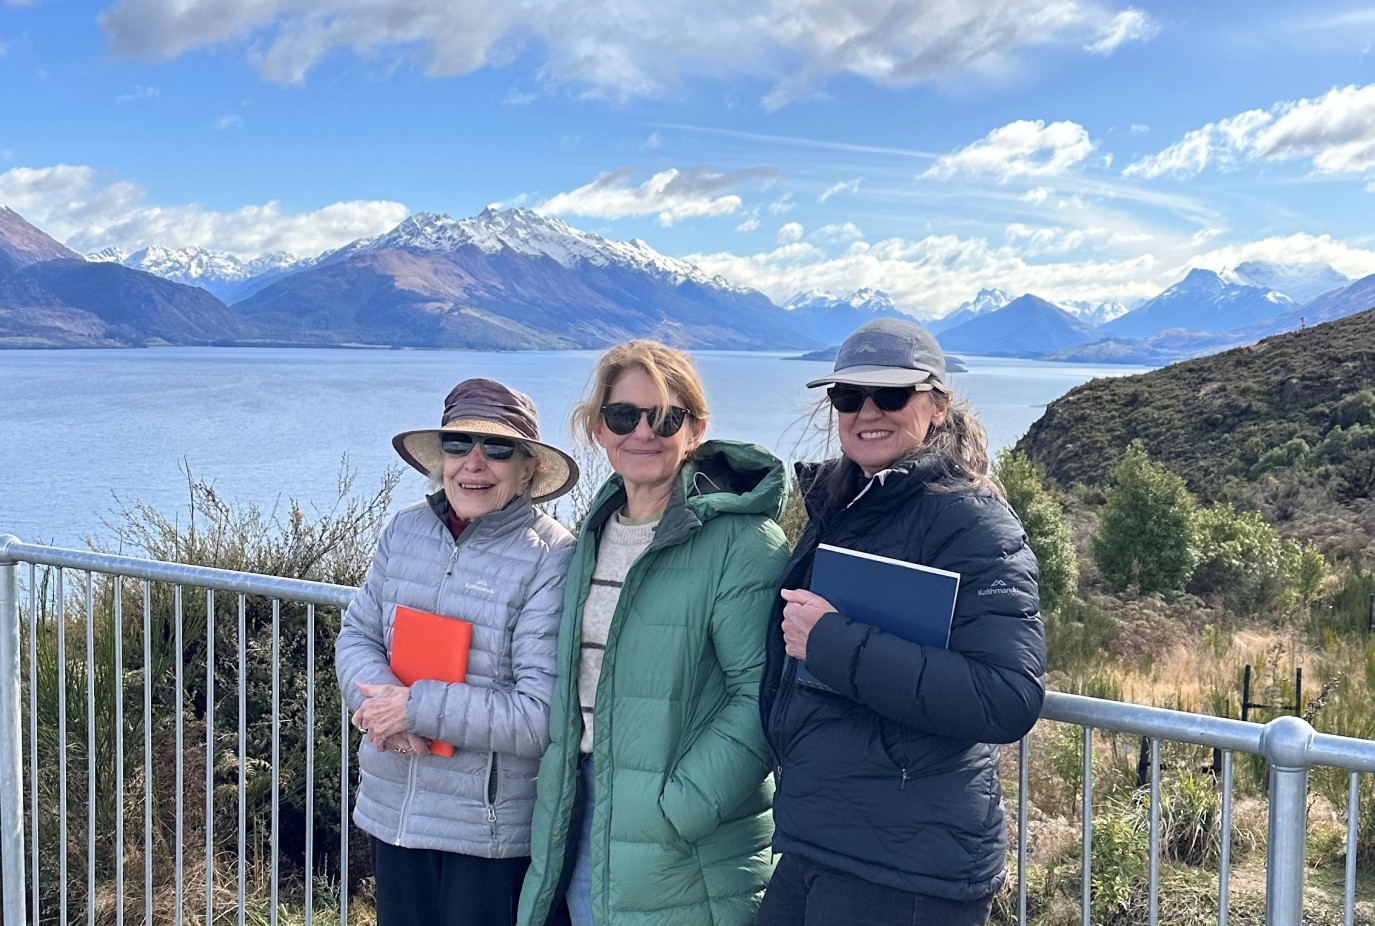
830,318
220,274
528,234
511,279
987,300
1202,301
1095,313
1300,282
55,298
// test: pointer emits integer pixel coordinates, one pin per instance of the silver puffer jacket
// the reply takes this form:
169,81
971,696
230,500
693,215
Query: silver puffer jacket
505,575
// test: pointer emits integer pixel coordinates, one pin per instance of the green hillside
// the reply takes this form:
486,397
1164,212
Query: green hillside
1300,405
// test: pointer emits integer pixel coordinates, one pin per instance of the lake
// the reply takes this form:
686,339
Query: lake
82,430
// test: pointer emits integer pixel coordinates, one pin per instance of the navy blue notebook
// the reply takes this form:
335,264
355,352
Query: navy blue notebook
908,600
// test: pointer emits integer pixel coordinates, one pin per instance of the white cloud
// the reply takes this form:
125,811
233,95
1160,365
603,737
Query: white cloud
788,233
1025,148
1299,248
671,195
1335,133
938,272
1130,25
516,97
635,50
749,225
1204,235
838,232
653,141
1139,129
1040,241
231,121
783,204
1036,195
935,273
844,186
139,93
76,206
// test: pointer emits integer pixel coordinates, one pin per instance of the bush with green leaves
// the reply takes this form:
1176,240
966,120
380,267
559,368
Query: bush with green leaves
333,544
1047,528
1241,559
1145,537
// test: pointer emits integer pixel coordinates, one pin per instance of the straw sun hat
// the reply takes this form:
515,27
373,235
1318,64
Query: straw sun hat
486,407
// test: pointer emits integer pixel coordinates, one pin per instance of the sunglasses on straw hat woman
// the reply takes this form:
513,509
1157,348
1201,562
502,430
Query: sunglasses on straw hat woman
888,809
451,833
654,794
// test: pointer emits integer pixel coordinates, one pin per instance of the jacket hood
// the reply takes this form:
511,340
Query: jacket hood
722,477
730,477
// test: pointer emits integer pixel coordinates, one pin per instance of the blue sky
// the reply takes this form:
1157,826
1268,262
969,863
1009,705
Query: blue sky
1079,150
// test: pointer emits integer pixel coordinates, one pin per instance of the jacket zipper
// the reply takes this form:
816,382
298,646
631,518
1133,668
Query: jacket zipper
490,800
406,801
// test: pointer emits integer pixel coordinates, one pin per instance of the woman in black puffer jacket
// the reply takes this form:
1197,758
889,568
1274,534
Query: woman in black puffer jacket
888,807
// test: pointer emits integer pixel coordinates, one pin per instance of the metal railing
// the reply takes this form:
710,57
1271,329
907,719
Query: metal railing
37,611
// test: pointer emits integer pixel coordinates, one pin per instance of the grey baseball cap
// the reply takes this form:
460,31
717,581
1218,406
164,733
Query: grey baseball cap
888,352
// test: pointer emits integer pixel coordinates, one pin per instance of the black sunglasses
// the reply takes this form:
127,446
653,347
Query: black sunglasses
622,418
850,399
499,449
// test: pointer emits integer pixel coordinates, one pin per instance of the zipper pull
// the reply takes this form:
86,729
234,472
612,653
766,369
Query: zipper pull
491,814
902,786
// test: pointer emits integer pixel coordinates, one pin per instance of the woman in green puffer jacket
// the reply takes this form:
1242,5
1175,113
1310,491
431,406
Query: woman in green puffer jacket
653,799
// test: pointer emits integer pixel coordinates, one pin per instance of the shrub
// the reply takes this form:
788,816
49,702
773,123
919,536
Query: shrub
1241,558
1357,408
1146,535
1047,528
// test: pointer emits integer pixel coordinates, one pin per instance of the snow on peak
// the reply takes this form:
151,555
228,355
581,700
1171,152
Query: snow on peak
811,297
871,300
110,255
531,234
987,300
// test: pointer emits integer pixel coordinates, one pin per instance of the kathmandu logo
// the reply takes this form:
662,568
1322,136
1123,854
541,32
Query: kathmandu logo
480,587
999,587
866,349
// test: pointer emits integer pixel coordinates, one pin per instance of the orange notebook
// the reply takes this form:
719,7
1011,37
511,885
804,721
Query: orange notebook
429,646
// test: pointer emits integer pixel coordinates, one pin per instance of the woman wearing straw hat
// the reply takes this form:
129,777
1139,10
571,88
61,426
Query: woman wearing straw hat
451,834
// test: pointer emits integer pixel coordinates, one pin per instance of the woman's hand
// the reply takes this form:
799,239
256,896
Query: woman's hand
383,714
800,614
407,744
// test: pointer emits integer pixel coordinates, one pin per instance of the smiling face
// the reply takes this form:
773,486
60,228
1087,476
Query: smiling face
874,438
475,485
646,462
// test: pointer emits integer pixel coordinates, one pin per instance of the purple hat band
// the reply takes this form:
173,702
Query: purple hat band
491,401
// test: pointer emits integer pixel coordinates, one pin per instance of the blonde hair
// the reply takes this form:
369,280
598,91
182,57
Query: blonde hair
671,370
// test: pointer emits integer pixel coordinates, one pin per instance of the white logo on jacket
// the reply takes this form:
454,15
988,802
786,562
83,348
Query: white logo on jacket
480,587
998,587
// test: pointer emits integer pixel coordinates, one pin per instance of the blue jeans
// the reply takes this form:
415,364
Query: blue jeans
805,893
580,882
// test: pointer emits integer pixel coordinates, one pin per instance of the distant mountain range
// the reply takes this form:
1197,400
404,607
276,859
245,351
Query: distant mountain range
515,279
830,318
505,279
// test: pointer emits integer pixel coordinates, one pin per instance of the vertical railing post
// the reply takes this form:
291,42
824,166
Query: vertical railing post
1284,743
11,755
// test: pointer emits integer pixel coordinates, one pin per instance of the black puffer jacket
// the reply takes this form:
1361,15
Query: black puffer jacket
895,779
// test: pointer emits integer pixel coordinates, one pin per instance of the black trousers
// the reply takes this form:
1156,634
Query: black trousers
426,887
805,893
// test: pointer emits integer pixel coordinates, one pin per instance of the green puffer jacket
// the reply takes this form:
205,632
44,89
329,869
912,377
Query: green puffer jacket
681,824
